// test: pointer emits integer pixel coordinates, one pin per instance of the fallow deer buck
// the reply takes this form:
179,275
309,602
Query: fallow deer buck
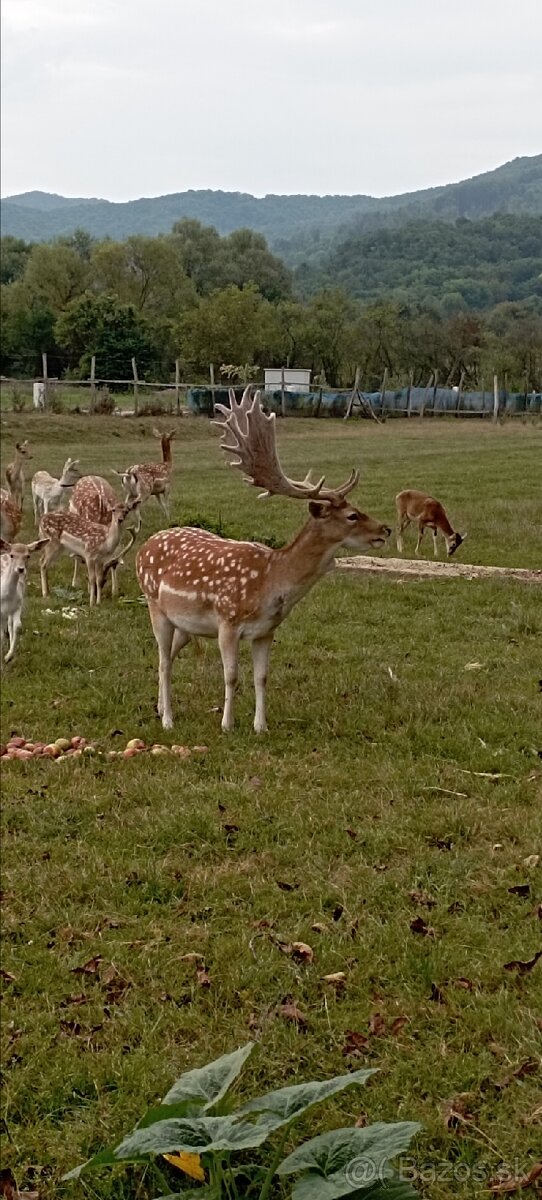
428,513
197,584
96,544
11,515
14,563
15,473
144,480
49,493
94,500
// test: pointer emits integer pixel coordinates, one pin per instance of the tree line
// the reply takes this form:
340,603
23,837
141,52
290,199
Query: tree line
200,298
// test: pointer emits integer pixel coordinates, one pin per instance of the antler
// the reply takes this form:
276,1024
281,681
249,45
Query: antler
251,435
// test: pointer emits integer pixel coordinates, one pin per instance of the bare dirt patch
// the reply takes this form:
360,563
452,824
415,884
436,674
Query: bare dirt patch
423,569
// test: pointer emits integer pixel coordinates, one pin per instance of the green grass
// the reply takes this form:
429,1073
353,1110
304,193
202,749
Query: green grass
364,790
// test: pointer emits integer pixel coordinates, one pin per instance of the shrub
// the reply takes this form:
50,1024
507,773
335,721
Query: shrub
104,403
18,398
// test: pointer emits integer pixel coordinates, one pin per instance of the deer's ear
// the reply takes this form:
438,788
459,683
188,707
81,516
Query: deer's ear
33,546
156,433
319,509
5,547
463,536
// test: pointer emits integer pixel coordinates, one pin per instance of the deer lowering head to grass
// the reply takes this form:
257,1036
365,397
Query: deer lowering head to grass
97,545
144,480
94,500
49,493
427,513
198,584
14,564
11,515
15,472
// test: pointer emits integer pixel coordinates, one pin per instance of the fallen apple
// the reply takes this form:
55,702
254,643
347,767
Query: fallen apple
130,752
135,744
63,743
52,750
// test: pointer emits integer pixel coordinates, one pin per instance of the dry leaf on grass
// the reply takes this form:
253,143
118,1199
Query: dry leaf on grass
192,957
397,1025
436,995
531,861
203,978
377,1024
530,1066
9,1189
466,984
75,998
91,967
302,952
455,1112
418,925
285,886
355,1044
523,967
336,979
419,896
520,889
501,1187
319,927
290,1012
8,977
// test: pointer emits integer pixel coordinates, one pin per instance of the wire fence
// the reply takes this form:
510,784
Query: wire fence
137,397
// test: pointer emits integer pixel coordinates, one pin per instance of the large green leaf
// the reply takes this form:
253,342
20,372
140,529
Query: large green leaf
284,1105
197,1135
313,1187
207,1085
347,1161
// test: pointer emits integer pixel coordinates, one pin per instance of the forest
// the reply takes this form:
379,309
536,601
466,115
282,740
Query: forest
462,297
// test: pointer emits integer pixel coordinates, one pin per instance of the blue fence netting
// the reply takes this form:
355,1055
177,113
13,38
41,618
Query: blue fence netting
430,401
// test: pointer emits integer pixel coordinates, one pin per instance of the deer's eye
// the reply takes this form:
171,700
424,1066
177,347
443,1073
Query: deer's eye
352,517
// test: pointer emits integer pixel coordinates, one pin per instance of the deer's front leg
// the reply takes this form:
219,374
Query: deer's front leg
420,535
75,567
14,626
261,648
228,641
435,544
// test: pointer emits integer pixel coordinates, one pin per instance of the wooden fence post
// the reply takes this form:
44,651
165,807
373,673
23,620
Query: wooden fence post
136,387
409,393
282,393
177,387
93,383
45,382
495,399
383,390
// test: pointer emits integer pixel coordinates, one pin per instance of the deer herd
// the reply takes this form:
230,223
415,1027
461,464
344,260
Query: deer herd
196,584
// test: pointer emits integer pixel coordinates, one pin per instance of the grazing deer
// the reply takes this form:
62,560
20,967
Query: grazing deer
11,516
14,563
94,500
198,584
152,479
428,513
15,473
96,544
49,493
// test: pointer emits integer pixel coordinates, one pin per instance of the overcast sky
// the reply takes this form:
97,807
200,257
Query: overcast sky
128,98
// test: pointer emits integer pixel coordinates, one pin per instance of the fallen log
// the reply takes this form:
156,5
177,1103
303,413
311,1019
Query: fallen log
425,569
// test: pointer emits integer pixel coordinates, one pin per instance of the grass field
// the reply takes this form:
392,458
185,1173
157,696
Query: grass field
376,799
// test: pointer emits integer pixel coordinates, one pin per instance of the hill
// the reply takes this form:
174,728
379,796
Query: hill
294,225
473,264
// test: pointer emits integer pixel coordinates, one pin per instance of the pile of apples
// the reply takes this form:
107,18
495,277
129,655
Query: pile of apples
76,747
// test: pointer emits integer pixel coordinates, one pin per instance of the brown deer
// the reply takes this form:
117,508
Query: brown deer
198,584
11,516
144,480
15,472
96,544
94,500
428,513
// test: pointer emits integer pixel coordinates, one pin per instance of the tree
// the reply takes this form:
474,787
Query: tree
109,329
146,272
235,325
13,258
55,274
27,327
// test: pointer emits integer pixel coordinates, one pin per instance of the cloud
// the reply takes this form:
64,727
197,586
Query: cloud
148,96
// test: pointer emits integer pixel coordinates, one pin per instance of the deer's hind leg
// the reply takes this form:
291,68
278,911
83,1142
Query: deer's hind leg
402,522
228,642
